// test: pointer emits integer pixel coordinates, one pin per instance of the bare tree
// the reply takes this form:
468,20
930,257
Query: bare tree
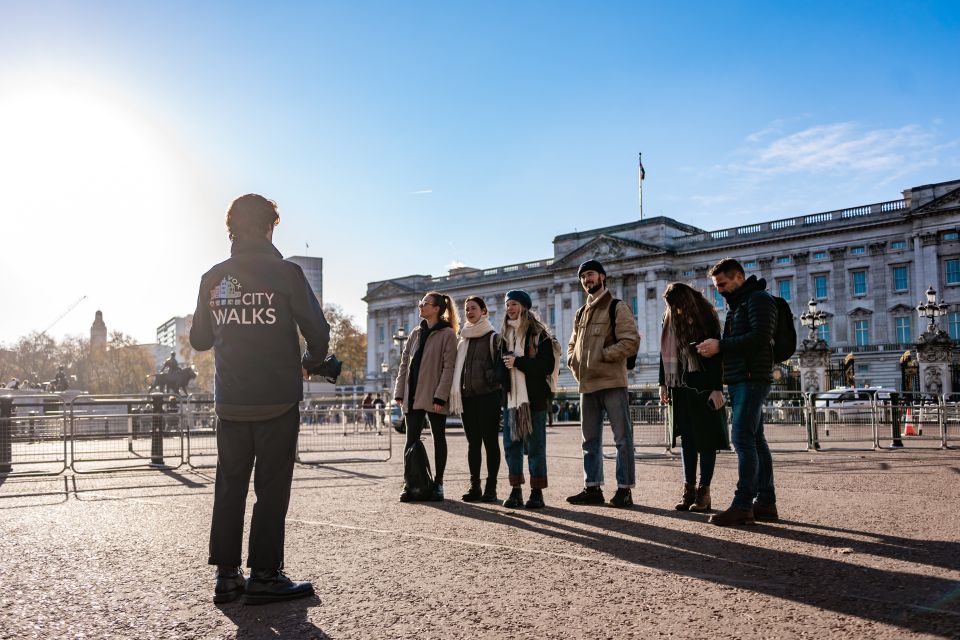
348,342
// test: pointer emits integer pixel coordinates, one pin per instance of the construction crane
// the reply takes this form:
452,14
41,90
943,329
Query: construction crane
64,314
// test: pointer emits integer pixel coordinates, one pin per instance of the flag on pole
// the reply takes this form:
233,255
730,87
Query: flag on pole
643,174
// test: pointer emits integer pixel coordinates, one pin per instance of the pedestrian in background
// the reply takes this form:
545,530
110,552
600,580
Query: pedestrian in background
426,374
475,395
693,388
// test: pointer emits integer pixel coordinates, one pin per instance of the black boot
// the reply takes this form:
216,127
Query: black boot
515,501
536,499
270,585
473,495
230,584
490,491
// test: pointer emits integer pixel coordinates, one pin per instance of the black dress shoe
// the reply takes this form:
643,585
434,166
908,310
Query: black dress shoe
536,499
230,585
270,585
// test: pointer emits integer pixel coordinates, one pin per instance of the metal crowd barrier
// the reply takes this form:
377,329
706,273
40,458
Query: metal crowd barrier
32,433
330,425
200,425
111,432
951,420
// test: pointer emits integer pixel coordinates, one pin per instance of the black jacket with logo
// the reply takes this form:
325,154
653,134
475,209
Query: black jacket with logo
248,310
747,343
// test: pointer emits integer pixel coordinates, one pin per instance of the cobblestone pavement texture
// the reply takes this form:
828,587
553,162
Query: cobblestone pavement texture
867,548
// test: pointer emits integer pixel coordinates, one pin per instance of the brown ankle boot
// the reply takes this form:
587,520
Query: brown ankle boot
703,500
689,495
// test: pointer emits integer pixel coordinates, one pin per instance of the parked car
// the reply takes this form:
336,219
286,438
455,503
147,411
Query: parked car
396,420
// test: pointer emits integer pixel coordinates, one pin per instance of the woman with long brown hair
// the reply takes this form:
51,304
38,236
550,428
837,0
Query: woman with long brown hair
426,373
693,387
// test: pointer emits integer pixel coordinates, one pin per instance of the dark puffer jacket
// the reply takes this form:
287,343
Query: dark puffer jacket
747,343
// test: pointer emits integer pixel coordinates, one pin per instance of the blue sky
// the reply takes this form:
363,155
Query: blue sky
399,138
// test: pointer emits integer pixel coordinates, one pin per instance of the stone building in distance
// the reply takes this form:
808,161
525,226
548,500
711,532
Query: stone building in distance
867,266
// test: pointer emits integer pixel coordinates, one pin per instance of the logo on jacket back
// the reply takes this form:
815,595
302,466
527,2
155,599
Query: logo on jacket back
230,305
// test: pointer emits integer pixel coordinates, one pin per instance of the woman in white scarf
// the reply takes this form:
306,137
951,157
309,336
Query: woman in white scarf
529,355
476,395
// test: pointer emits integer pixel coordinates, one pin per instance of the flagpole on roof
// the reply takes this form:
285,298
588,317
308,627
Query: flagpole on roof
641,176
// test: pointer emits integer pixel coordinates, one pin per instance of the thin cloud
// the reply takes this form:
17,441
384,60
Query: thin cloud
840,148
421,192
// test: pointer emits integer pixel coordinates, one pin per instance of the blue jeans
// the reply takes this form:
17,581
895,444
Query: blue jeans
536,446
615,404
755,464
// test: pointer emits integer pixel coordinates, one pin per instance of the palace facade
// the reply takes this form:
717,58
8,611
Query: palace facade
868,267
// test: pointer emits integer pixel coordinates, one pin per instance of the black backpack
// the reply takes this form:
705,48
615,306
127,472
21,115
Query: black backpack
416,471
631,360
785,335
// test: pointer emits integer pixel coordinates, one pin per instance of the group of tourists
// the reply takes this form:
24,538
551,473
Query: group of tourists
482,373
504,381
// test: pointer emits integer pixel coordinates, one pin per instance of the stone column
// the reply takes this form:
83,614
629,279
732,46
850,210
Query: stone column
838,276
880,330
801,282
935,353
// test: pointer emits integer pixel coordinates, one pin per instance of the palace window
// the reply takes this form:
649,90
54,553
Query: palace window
857,251
783,289
823,332
951,235
859,283
861,332
783,259
750,264
819,255
820,287
904,335
901,279
898,245
953,270
953,324
718,300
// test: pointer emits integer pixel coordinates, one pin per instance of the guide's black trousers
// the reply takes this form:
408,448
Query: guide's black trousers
273,445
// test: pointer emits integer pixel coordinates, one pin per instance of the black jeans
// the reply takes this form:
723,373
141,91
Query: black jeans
416,421
481,425
273,445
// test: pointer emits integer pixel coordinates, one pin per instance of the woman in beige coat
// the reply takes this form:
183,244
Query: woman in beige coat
425,377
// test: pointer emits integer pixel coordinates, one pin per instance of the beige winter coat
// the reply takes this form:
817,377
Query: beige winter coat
436,370
596,361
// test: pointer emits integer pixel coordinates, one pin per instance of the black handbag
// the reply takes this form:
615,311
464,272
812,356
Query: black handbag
416,472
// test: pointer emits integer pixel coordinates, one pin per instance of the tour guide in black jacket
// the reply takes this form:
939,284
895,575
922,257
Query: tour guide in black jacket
248,310
747,352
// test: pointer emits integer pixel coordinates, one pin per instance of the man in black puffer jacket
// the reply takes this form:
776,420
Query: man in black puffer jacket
747,352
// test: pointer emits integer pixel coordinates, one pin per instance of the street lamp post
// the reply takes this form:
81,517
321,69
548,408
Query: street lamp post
399,338
932,310
813,318
384,373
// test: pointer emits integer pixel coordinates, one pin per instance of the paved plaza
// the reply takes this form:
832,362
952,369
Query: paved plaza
868,547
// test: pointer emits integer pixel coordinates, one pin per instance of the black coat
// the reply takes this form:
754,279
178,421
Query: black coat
537,370
747,343
689,415
248,310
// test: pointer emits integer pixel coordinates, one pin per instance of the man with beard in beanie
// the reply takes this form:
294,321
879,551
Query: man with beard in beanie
603,338
747,351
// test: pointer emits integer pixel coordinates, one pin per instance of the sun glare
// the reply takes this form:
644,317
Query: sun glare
94,191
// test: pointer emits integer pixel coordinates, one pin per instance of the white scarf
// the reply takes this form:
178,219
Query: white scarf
518,404
467,331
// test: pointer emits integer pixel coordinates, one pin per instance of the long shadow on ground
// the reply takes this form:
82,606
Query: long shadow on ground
915,602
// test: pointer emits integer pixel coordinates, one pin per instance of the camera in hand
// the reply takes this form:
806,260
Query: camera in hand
329,369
